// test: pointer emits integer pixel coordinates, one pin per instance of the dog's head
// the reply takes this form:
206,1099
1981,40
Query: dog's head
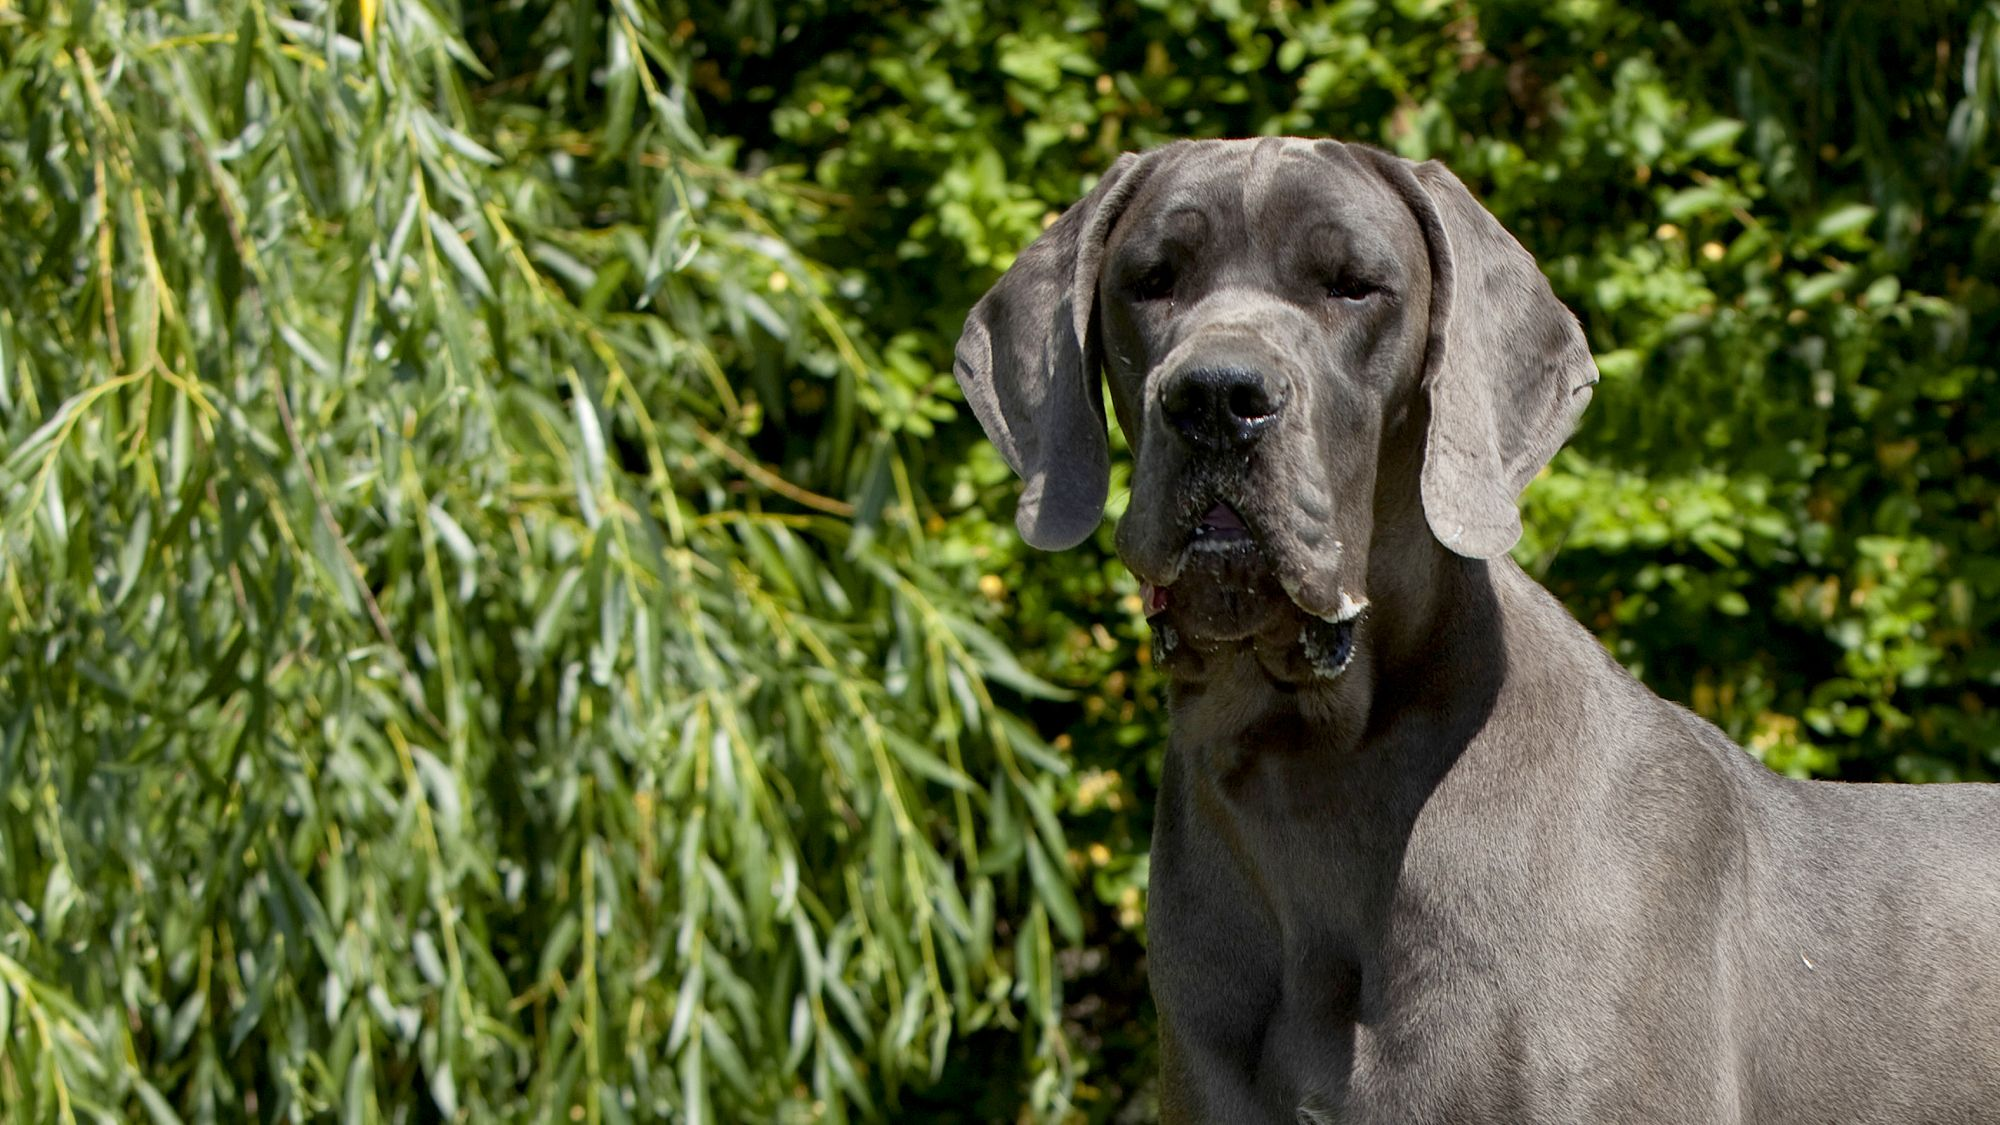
1283,322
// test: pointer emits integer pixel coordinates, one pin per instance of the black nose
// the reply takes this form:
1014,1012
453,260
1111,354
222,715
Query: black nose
1221,407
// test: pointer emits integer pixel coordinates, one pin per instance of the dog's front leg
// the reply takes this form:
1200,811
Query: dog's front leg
1203,1082
1215,961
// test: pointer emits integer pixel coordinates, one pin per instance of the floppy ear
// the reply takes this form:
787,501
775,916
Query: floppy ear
1028,362
1508,370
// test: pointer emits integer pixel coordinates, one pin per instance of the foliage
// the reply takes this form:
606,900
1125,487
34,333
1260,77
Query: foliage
440,675
501,608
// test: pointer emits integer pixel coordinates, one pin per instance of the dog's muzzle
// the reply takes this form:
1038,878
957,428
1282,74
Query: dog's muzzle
1227,591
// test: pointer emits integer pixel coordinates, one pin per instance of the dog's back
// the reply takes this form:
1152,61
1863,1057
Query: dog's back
1870,955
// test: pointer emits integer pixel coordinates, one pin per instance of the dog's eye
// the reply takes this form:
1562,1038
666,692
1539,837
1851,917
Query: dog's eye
1154,283
1350,288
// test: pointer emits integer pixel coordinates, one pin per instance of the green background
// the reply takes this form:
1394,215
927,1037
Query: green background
503,617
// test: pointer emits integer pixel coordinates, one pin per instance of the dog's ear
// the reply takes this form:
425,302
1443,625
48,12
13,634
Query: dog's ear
1029,364
1507,374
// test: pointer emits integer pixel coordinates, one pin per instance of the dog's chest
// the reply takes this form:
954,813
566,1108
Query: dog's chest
1365,970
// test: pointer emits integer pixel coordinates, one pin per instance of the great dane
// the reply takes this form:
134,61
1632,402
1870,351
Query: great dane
1424,852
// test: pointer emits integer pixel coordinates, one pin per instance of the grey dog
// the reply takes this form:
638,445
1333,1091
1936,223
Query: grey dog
1424,852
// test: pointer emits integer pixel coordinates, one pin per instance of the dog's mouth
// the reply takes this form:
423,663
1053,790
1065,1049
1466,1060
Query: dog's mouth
1221,528
1226,589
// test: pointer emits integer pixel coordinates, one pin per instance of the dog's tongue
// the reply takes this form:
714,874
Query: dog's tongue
1222,517
1155,598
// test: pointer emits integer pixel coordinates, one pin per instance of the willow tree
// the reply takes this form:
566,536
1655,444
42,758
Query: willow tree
471,640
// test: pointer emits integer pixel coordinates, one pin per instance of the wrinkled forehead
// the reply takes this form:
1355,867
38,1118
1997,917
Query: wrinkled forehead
1259,196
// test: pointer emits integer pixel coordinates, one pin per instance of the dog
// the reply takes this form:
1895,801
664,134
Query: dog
1423,851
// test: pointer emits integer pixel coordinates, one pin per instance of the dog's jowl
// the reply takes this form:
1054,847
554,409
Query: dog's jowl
1424,852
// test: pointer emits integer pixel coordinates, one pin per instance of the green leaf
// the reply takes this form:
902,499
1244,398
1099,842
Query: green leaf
1844,219
157,1107
1720,132
460,255
1819,287
1054,892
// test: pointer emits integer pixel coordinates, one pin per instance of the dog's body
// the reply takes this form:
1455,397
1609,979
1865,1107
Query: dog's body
1525,889
1424,852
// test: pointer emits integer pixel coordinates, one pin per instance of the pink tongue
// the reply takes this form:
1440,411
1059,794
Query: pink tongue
1155,598
1222,516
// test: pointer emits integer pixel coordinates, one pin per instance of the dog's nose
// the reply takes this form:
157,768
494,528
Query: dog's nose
1221,408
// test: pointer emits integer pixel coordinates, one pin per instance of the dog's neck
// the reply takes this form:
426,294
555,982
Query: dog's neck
1326,783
